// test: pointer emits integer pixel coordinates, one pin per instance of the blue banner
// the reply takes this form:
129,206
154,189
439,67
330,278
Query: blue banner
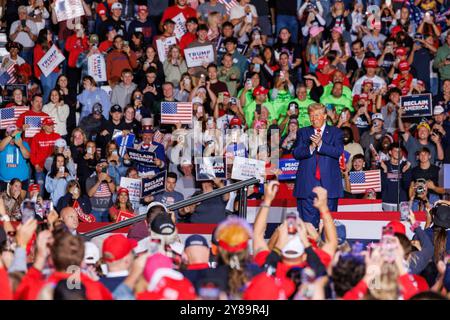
289,169
417,105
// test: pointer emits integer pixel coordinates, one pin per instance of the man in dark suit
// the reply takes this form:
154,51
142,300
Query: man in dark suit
318,149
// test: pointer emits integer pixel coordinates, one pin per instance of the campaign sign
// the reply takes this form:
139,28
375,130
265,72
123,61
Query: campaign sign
220,47
163,46
180,25
50,60
288,169
417,105
196,57
11,87
97,67
133,186
154,185
123,215
144,157
124,142
209,168
244,168
68,9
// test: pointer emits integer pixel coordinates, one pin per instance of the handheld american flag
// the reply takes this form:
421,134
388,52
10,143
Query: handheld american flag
174,112
8,116
228,4
158,136
361,181
34,123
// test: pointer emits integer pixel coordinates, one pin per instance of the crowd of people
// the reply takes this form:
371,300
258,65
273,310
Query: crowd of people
66,135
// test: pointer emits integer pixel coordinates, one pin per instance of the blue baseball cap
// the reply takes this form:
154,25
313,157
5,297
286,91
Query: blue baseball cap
196,240
341,232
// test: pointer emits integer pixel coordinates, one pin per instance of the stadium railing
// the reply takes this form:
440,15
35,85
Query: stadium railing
242,186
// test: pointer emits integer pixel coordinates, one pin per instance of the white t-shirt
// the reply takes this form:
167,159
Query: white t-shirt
239,11
378,82
22,37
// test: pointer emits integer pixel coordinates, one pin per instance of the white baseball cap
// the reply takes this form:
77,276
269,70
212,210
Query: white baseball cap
60,143
378,116
116,5
155,204
294,248
438,110
91,253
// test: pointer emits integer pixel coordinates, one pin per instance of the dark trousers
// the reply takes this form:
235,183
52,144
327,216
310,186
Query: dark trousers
308,213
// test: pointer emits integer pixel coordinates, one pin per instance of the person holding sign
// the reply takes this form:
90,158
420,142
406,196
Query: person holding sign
149,145
318,150
43,44
122,206
413,145
179,12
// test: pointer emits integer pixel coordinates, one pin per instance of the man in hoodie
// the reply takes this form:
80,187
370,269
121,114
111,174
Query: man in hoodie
119,59
92,123
121,94
42,146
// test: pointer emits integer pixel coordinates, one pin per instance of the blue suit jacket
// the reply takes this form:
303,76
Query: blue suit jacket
330,151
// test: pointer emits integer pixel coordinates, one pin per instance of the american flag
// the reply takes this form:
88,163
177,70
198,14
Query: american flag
158,136
102,191
228,4
35,126
12,73
361,181
8,116
174,112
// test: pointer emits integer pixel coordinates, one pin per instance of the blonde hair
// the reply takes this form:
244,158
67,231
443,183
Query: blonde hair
316,106
78,129
385,285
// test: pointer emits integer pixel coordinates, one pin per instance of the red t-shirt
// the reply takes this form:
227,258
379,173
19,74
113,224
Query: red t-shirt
173,11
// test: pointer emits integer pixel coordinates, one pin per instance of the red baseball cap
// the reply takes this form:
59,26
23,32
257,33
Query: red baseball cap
226,94
33,187
371,63
422,284
260,90
116,247
122,190
48,121
397,227
265,287
322,63
401,51
396,30
235,122
403,66
367,81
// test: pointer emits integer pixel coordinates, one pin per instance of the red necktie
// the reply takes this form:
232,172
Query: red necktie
317,175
